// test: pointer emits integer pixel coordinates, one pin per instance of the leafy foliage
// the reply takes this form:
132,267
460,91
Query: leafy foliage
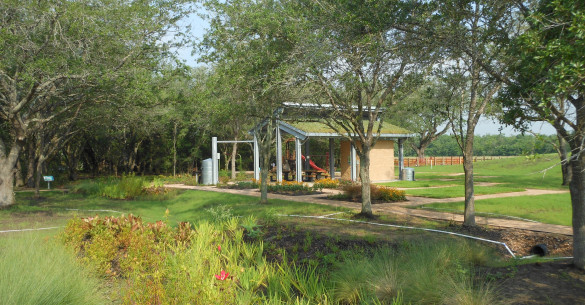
127,187
326,183
208,264
382,193
289,187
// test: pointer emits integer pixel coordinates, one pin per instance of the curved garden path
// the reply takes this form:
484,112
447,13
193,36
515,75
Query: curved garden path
417,201
400,208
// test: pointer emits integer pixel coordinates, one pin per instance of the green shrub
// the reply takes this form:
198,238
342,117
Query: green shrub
353,191
86,187
125,188
290,187
41,272
163,265
128,187
223,176
243,185
388,194
179,179
326,183
220,213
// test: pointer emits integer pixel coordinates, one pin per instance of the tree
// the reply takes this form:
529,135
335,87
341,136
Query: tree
58,51
547,74
353,60
425,113
249,43
472,34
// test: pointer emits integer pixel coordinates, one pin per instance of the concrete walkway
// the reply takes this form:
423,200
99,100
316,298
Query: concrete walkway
400,207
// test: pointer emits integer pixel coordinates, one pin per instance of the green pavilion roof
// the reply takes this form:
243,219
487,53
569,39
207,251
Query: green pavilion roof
319,129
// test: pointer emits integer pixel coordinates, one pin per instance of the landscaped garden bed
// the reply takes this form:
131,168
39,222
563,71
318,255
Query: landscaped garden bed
378,193
235,261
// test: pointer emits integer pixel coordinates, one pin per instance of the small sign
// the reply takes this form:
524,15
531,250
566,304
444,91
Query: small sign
48,178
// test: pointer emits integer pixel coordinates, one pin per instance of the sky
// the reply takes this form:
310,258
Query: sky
485,126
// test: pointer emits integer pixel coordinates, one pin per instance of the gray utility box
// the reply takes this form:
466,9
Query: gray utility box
207,172
408,174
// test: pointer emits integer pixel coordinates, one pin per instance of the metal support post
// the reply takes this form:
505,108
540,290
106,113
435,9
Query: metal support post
256,159
307,156
401,159
353,159
214,161
298,163
331,159
278,154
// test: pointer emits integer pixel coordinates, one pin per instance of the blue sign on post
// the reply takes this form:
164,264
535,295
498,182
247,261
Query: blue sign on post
48,179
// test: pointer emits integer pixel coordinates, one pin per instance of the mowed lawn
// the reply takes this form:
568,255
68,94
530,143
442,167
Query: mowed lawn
55,208
553,209
459,191
543,172
497,177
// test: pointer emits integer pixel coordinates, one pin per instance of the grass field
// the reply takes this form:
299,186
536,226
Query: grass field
459,191
189,272
305,268
553,209
542,172
192,206
505,175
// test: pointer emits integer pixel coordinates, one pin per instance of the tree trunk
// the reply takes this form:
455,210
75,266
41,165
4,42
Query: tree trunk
577,189
365,178
420,153
39,173
264,166
30,170
233,159
469,214
6,184
566,168
72,161
7,165
133,156
264,144
18,175
175,150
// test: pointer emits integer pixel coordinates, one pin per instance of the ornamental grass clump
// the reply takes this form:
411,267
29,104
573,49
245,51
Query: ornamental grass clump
37,271
421,273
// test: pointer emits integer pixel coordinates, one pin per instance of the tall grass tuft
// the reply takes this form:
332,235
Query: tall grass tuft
125,188
422,273
128,187
40,272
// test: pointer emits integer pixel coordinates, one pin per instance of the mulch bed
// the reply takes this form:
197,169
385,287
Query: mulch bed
555,282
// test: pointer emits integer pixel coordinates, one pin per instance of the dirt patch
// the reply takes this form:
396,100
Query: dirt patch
521,241
540,283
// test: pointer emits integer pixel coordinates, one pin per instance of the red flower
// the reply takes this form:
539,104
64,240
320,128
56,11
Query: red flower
223,276
219,248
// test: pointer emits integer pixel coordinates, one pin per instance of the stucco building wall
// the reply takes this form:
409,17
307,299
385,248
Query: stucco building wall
381,161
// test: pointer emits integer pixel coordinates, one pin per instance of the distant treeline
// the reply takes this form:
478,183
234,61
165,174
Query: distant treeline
492,145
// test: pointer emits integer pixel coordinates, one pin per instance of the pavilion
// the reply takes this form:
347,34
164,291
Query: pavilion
381,155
